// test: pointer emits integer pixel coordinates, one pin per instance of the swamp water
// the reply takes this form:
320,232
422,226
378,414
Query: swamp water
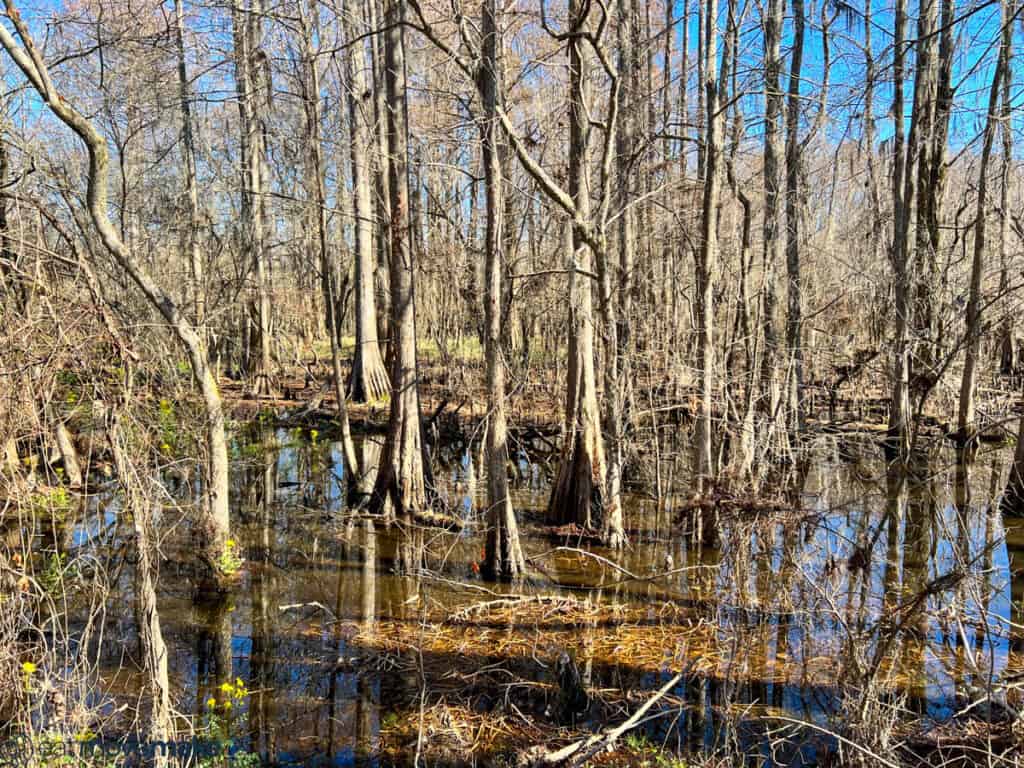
346,660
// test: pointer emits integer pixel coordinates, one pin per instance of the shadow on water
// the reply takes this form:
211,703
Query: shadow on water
777,604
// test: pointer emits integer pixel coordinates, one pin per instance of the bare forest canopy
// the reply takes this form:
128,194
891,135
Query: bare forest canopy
613,232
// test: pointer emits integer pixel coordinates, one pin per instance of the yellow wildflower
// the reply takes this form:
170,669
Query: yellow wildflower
28,668
211,702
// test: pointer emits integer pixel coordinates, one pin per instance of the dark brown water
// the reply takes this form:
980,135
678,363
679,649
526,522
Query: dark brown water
761,623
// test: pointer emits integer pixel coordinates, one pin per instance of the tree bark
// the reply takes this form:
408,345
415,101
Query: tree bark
577,495
369,379
188,157
794,296
252,85
403,479
966,426
316,197
707,253
503,555
899,409
772,243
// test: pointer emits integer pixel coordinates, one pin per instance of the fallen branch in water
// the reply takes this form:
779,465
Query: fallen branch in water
579,752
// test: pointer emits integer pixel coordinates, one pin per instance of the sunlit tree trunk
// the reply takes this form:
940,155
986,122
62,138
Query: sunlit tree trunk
966,417
740,388
316,204
616,294
577,495
707,253
402,478
252,85
503,555
772,242
369,380
868,123
382,196
936,72
899,409
188,151
1008,357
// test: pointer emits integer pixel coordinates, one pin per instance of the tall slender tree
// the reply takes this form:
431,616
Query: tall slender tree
403,477
966,415
368,380
577,495
253,89
503,555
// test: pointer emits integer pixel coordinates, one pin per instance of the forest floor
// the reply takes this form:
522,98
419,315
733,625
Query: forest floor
448,391
452,393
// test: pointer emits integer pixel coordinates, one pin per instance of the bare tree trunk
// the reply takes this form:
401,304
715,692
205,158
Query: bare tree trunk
577,495
252,84
503,555
154,650
740,399
772,243
684,75
702,44
932,171
381,175
30,61
966,426
707,253
1008,358
188,152
617,320
317,218
869,130
402,478
369,379
899,410
794,342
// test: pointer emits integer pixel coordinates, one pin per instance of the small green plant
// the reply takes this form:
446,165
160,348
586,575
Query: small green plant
643,752
53,576
168,424
666,760
51,502
226,716
230,560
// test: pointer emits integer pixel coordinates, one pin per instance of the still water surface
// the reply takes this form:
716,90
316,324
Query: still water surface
775,605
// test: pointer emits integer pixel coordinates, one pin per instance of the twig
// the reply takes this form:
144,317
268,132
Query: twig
839,737
580,751
464,613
